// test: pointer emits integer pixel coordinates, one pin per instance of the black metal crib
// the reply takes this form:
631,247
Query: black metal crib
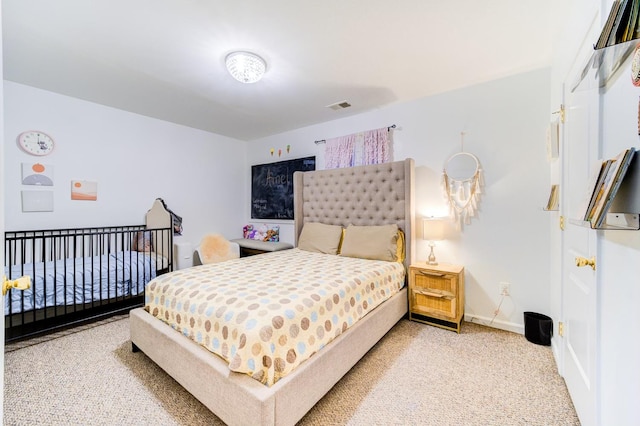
80,275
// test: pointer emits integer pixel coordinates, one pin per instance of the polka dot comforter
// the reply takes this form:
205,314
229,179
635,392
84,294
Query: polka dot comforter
266,314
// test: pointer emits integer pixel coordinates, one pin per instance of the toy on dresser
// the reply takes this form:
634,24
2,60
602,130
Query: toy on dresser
262,232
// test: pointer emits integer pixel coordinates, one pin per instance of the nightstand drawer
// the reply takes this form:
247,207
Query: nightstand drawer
433,302
433,280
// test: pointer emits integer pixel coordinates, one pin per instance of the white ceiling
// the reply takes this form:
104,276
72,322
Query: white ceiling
165,58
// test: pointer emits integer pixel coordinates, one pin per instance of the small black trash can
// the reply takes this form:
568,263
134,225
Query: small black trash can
538,328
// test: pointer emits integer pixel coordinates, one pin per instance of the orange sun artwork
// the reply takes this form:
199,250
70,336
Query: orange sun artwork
37,174
84,190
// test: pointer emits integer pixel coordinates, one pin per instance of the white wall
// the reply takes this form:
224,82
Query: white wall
505,123
134,159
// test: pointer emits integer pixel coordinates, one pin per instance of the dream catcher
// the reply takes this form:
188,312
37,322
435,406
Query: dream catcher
462,181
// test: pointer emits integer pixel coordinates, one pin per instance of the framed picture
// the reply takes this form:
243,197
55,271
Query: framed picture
37,174
84,190
37,201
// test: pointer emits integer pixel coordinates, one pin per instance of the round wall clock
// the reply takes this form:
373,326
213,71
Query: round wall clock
35,142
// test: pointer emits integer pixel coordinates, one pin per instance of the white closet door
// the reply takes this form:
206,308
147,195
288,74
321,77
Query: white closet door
579,284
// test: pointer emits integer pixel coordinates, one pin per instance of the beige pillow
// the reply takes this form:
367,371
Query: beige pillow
320,238
371,242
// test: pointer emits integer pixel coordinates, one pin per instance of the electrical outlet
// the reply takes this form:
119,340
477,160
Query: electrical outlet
505,288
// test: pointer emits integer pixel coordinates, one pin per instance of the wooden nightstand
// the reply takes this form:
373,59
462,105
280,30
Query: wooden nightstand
436,294
253,247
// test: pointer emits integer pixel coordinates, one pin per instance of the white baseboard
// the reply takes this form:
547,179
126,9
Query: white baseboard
496,323
557,354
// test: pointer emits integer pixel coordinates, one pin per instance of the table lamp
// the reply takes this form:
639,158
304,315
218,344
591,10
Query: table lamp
432,230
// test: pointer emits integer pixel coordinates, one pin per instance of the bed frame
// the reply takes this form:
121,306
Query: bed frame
365,195
91,273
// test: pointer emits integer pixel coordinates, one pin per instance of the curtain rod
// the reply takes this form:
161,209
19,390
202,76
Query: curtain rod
393,126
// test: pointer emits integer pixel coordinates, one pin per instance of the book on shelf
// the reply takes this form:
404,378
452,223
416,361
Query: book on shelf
622,20
632,26
636,33
594,188
630,30
552,203
621,25
606,30
615,176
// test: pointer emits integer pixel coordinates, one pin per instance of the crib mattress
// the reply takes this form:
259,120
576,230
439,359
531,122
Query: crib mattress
266,314
83,280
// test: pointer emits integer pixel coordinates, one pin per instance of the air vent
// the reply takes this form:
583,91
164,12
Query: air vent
339,105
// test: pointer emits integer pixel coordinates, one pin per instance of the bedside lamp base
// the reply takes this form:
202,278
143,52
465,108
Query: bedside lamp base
431,260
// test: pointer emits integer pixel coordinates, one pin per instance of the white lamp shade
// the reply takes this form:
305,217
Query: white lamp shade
245,67
433,228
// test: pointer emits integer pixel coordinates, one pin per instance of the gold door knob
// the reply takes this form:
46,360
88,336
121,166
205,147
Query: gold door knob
583,261
21,283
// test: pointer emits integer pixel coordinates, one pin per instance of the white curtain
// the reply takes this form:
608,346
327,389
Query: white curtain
370,147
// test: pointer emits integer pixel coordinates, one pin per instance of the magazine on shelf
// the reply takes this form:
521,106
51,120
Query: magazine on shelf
594,189
606,31
630,30
620,22
552,204
611,185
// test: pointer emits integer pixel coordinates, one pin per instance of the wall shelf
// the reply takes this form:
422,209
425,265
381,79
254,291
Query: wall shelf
603,65
614,221
627,199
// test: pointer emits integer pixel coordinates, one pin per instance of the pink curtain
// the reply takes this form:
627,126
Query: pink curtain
338,152
370,147
376,146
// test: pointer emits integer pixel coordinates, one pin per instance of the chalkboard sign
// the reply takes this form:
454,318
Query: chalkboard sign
272,187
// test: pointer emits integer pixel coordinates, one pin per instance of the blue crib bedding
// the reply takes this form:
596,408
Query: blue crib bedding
82,280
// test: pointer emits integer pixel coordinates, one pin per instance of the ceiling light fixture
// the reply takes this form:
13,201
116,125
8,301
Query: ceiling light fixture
245,67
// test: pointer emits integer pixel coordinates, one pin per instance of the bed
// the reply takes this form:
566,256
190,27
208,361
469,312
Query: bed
82,274
279,392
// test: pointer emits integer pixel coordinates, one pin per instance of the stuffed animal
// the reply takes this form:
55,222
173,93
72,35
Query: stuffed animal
272,235
262,232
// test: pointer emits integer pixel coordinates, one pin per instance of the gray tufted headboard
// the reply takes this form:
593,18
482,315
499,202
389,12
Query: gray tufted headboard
379,194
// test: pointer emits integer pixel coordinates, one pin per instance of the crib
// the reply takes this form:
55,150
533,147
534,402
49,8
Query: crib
82,274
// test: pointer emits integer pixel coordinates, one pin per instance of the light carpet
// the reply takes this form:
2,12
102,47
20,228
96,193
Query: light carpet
416,375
